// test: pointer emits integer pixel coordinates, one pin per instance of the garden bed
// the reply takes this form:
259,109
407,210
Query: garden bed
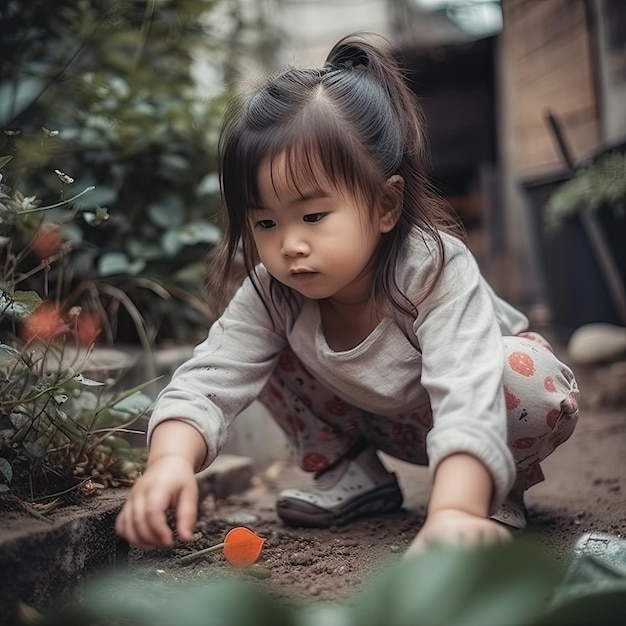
585,491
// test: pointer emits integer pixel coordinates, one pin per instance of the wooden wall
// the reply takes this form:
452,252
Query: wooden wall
549,54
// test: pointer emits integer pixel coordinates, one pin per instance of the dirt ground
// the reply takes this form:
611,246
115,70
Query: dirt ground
584,491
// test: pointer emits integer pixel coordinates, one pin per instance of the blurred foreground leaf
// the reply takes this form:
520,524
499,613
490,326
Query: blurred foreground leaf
503,585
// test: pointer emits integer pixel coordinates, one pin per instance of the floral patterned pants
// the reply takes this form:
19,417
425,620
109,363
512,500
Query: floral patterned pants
541,397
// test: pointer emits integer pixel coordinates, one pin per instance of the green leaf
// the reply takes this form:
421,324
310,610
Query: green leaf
99,217
122,599
171,243
134,404
5,159
210,184
168,212
503,585
100,196
112,263
79,378
190,234
199,232
15,98
6,470
34,449
20,305
19,419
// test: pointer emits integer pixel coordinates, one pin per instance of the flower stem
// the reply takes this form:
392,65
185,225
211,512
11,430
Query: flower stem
194,556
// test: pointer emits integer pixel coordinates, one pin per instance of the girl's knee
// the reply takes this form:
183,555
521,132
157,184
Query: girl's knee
541,397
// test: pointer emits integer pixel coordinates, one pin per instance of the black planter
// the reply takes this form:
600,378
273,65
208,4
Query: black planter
575,288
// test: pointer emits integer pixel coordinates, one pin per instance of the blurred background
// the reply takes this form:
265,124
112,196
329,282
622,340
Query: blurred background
110,113
522,98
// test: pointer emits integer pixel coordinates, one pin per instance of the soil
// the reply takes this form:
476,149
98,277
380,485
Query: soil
584,491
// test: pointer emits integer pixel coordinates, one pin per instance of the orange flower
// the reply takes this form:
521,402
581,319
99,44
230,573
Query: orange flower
44,323
87,328
46,242
241,548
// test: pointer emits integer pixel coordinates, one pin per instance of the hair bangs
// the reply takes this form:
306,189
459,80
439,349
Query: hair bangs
317,149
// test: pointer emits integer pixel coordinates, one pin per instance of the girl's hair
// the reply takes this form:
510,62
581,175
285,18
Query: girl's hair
357,118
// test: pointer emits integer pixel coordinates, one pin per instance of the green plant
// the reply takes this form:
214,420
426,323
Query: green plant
58,427
514,584
602,183
118,95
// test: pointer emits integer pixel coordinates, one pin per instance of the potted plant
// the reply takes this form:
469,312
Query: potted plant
584,230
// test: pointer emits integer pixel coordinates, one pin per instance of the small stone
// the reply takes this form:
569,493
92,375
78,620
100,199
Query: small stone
262,573
242,519
299,558
597,343
313,590
395,549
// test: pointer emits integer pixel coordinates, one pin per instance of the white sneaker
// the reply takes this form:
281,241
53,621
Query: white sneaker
513,510
350,489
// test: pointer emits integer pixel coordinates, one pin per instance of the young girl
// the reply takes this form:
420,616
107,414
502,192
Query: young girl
363,324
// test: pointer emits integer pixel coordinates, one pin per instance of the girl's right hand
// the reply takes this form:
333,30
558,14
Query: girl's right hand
168,482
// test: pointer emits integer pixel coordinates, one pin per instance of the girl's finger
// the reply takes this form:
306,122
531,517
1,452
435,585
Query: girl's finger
152,522
187,511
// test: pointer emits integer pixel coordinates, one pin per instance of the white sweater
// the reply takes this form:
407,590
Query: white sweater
451,355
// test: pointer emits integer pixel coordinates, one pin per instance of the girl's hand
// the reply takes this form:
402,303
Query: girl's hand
168,482
457,528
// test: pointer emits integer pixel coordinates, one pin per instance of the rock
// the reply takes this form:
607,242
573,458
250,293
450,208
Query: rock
227,475
597,343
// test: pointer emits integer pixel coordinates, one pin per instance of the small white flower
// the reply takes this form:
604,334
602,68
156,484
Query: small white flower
50,133
64,177
28,203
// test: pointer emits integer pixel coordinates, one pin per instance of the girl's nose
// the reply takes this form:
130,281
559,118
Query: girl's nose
294,246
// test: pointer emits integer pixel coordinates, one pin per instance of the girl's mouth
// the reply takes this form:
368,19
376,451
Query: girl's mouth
302,275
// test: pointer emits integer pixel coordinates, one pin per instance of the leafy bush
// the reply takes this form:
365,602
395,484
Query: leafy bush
58,428
118,95
602,183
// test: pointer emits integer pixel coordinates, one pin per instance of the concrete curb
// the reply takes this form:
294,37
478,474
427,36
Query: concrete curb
41,561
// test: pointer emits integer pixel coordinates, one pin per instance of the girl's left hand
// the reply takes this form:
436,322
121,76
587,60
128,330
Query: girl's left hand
457,528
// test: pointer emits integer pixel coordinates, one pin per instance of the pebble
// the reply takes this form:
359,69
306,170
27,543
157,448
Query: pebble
242,519
262,573
313,590
597,343
299,558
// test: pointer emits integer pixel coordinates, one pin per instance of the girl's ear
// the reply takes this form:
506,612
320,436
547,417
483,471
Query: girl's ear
391,203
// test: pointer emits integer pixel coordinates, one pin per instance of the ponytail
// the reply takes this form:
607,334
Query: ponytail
358,53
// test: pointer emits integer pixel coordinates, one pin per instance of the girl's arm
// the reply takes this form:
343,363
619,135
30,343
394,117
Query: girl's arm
176,438
461,483
190,420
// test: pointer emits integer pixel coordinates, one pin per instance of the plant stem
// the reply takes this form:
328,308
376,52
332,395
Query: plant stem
194,556
58,204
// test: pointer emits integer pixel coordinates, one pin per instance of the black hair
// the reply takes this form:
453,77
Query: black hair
358,117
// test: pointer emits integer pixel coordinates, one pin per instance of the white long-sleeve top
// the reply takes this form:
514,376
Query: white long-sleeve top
451,354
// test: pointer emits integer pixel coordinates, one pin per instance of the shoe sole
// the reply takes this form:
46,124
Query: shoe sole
294,512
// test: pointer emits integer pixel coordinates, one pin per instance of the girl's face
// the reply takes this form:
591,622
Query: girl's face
313,237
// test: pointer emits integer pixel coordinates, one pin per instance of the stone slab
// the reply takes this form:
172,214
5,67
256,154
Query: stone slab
41,560
229,474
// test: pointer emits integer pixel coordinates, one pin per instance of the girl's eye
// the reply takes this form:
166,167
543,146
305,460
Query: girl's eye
266,224
311,218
